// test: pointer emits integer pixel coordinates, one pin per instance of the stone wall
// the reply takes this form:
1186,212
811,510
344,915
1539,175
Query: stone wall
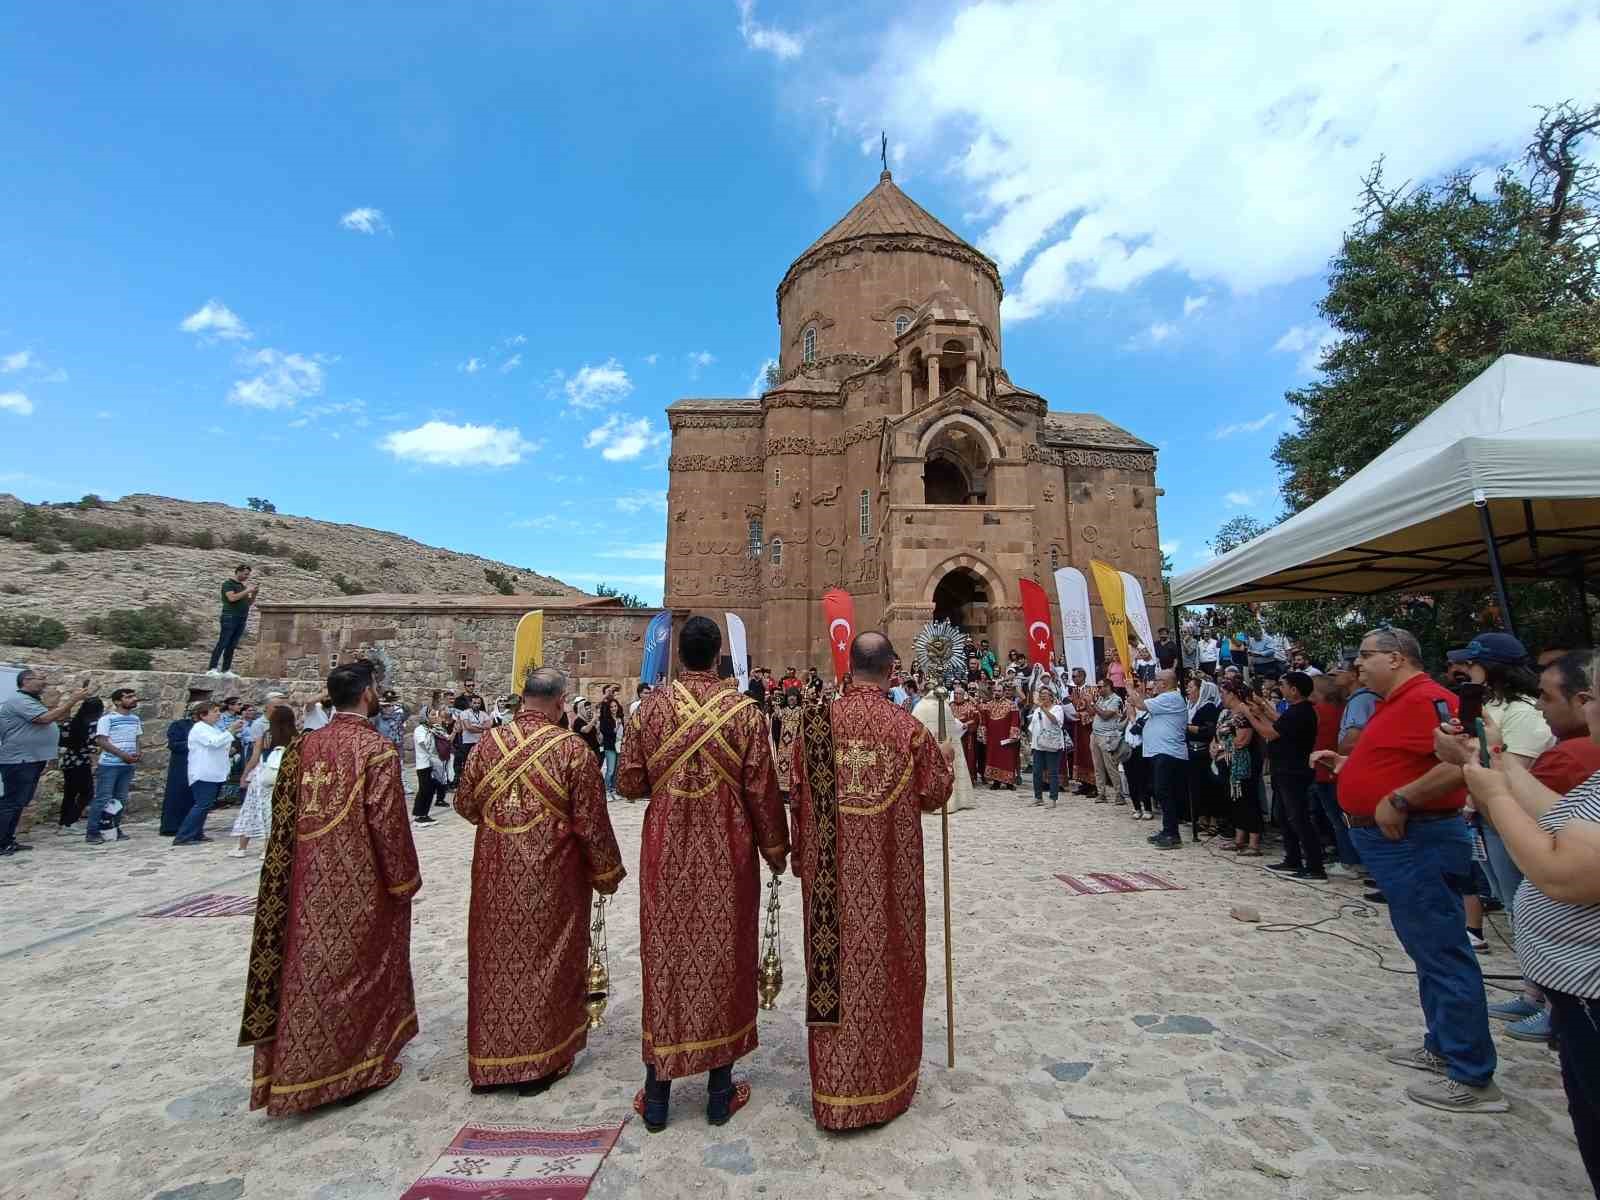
163,697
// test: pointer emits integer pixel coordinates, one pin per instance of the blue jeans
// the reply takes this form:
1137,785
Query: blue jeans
611,771
194,825
1424,875
20,780
1504,874
1327,795
227,640
110,780
1047,760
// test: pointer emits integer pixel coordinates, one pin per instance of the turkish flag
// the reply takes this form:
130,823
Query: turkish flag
1036,616
839,611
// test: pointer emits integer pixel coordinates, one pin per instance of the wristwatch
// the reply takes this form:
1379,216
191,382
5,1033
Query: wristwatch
1398,802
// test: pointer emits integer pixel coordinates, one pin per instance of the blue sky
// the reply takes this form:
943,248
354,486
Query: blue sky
441,271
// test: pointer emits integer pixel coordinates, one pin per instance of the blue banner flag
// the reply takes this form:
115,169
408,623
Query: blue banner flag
656,636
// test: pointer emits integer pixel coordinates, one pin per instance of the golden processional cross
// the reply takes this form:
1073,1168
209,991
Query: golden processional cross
856,757
314,781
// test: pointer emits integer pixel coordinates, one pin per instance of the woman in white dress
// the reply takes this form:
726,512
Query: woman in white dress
255,814
927,711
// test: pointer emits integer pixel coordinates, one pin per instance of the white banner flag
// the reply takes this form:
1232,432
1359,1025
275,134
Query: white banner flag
737,651
1077,631
1138,617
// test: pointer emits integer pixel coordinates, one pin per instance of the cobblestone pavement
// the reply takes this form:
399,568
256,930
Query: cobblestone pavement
1142,1045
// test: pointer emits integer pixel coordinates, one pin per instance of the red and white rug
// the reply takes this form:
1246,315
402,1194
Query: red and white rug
557,1161
206,906
1111,883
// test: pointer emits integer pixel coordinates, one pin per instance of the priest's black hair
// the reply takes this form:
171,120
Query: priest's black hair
699,642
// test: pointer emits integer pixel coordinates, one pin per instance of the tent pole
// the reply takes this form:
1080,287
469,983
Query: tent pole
1581,582
1494,567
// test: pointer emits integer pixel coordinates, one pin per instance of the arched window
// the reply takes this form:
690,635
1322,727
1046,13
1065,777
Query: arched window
866,514
901,324
755,535
777,552
808,345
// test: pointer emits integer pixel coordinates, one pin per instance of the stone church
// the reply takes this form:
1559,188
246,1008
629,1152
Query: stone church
892,456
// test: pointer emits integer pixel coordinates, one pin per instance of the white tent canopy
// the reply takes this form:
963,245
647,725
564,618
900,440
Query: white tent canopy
1518,448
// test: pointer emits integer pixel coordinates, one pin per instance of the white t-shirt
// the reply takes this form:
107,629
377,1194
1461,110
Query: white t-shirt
1043,734
316,717
1208,650
1521,724
472,726
122,730
208,753
427,752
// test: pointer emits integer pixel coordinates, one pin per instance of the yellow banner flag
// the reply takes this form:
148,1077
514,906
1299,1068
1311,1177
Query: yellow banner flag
1109,581
528,651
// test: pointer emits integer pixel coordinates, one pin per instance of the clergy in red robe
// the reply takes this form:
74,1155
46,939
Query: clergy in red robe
699,750
328,1001
1003,724
544,847
865,772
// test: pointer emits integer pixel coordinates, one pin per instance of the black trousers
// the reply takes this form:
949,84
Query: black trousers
427,788
1576,1022
1170,777
77,790
1302,845
1138,769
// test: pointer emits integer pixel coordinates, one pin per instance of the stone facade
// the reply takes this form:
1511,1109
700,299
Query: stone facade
427,642
895,458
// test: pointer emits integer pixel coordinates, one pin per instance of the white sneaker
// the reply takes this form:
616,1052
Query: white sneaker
213,671
236,853
1339,871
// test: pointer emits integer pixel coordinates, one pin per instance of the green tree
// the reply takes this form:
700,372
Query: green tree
629,599
1236,532
1433,283
257,504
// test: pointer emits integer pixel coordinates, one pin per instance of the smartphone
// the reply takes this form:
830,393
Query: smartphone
1443,709
1471,704
1483,743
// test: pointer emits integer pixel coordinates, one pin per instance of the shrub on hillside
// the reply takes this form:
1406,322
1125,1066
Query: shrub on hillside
91,501
348,586
500,581
305,560
388,564
154,627
251,543
27,629
46,546
203,539
129,660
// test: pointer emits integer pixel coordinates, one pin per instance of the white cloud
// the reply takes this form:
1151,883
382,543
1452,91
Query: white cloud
281,381
1161,331
620,439
645,551
1256,426
1239,499
699,359
1193,304
472,366
216,430
758,385
511,364
542,521
636,502
651,359
20,361
215,320
1172,547
780,44
597,386
441,444
1309,341
365,220
16,402
1252,186
516,339
611,577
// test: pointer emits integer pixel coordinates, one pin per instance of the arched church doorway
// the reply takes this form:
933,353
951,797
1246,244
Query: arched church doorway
962,598
956,470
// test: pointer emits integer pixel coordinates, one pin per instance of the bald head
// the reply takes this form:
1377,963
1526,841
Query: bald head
543,690
1166,680
871,657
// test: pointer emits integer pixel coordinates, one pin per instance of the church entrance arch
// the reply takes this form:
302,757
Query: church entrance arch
962,598
956,461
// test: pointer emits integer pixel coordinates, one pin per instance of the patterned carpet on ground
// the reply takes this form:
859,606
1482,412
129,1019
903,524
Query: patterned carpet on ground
1113,883
510,1162
206,906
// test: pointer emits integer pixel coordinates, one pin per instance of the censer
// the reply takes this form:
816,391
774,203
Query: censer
769,976
597,975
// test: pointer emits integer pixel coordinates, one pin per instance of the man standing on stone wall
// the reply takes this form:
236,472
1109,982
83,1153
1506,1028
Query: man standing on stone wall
238,594
700,751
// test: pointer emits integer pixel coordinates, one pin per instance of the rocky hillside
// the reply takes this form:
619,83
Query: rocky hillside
77,562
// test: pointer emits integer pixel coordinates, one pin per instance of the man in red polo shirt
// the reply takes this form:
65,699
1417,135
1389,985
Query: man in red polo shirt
1403,807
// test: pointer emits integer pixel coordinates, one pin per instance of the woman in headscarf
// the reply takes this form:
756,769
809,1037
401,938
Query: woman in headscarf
785,729
177,801
77,760
1205,705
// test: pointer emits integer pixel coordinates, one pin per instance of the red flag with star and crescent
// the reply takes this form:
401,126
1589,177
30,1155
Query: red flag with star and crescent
839,611
1036,616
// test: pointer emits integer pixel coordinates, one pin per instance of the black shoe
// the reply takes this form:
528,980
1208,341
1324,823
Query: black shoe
1286,867
202,838
7,851
538,1087
20,846
1321,876
423,821
1163,842
184,841
96,840
1491,905
1155,837
1375,897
